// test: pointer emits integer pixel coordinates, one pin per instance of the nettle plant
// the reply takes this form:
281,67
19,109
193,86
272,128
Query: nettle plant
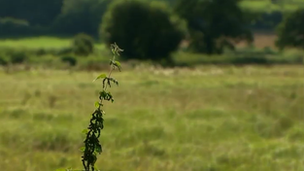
92,146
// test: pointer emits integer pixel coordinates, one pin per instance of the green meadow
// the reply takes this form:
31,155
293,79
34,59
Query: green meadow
241,110
205,118
268,5
39,42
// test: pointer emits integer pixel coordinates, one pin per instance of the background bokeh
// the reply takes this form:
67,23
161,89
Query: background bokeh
206,85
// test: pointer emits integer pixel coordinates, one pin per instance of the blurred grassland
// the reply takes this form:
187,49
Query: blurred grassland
269,6
203,118
200,119
49,51
40,42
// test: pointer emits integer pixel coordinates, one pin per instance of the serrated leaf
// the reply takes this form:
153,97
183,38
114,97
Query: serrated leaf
85,131
94,159
98,148
96,104
109,83
100,77
117,63
82,149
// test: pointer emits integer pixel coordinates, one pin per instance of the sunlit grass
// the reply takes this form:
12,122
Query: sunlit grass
269,6
41,42
205,118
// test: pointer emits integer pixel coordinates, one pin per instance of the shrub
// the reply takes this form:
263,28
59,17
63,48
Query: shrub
9,26
145,30
214,25
83,44
72,61
250,60
291,30
40,52
18,57
12,27
64,51
3,60
80,16
14,56
267,20
35,12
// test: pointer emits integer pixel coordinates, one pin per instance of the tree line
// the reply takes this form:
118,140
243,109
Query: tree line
74,16
146,29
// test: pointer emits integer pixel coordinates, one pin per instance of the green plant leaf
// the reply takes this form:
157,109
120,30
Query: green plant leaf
98,148
100,77
96,123
117,64
82,149
85,131
96,104
61,170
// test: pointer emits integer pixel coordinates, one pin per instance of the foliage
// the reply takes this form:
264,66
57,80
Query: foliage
18,57
72,61
92,145
241,57
13,56
70,17
36,12
13,21
291,30
83,44
49,51
80,16
12,26
145,30
3,60
214,25
267,20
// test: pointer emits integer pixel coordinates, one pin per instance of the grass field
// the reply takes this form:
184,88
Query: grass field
204,119
42,42
262,39
268,5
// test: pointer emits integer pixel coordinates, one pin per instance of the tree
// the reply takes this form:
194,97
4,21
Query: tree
83,44
36,12
81,16
214,24
145,30
291,30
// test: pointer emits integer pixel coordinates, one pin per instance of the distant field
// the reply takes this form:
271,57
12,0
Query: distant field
268,5
38,42
54,46
262,39
208,118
